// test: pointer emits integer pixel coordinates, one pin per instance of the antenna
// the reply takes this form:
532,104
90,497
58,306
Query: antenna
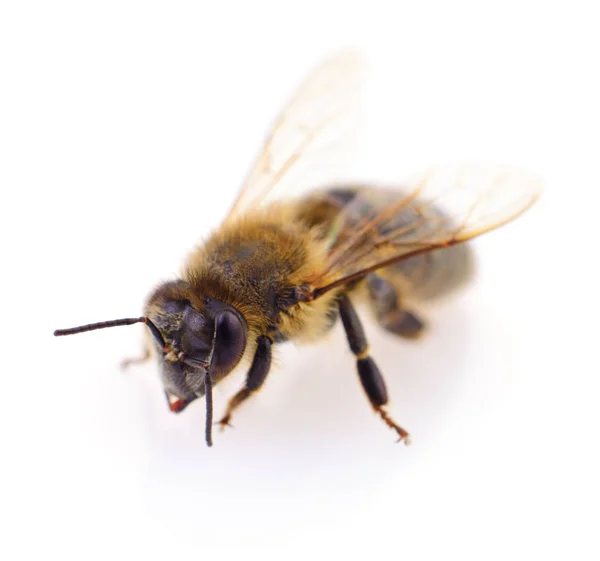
113,323
209,407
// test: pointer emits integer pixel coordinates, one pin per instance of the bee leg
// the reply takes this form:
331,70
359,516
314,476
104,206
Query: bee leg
370,377
254,379
390,314
127,362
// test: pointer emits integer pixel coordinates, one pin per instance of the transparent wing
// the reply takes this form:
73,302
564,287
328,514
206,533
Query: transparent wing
447,206
311,141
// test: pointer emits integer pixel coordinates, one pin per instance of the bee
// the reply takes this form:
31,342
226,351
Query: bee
285,266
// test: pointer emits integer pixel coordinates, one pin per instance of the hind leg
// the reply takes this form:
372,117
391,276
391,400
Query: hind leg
389,311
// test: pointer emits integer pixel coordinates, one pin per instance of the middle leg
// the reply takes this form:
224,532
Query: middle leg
371,379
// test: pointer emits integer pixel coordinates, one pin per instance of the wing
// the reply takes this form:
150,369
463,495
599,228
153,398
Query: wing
313,136
446,207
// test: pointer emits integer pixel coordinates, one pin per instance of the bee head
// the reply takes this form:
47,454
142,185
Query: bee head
199,340
199,335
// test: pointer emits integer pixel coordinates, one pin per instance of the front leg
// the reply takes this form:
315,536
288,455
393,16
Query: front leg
254,379
371,379
144,357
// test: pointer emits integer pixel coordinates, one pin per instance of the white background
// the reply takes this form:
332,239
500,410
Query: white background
125,130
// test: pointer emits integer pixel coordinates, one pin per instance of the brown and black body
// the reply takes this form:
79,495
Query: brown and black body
258,263
260,267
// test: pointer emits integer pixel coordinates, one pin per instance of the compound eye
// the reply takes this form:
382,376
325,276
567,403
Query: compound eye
229,344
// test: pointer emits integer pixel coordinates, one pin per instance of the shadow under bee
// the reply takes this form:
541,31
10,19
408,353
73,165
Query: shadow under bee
315,407
323,400
306,432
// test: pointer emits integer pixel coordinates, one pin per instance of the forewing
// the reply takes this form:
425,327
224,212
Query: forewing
447,206
311,141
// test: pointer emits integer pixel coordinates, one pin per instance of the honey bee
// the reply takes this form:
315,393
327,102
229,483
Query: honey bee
283,267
